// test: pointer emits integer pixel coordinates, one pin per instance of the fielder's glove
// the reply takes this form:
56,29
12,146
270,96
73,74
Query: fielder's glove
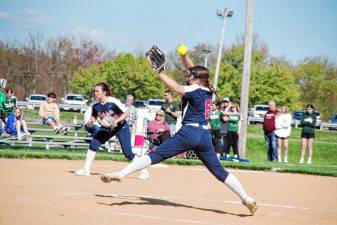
108,122
156,59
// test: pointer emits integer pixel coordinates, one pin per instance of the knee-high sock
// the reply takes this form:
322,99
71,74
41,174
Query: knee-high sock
137,164
234,184
89,159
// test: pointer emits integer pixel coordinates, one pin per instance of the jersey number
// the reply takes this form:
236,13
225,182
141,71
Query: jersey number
207,108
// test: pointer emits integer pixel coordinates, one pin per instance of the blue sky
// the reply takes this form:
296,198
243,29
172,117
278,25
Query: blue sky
294,29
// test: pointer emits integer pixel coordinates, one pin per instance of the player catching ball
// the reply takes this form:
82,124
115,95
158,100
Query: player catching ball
193,134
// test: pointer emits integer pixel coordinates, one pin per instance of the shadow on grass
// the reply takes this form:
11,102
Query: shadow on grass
139,200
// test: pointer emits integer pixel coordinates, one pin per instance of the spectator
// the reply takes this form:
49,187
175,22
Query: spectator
233,131
269,128
172,111
308,123
215,125
10,102
224,122
158,129
132,111
16,125
50,113
3,98
283,128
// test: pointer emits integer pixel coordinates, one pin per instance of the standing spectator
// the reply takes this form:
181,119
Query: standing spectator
50,113
10,102
224,122
132,111
3,98
233,131
308,123
283,128
214,122
16,125
269,128
158,129
172,111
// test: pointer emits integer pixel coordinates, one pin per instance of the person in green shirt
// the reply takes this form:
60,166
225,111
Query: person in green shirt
233,131
308,123
10,102
215,127
172,111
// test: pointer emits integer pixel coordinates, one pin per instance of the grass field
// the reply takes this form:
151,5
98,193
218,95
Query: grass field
324,154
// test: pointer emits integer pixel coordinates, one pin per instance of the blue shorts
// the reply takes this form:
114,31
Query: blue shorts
193,138
52,118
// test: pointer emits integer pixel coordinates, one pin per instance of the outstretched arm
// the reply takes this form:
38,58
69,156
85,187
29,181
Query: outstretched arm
172,84
186,61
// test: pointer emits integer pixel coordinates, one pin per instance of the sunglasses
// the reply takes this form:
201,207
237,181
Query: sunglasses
159,115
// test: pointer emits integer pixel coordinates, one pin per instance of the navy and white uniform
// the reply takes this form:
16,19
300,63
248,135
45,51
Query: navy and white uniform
115,108
194,133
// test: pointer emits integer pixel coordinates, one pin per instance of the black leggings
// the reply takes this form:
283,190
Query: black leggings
216,136
232,141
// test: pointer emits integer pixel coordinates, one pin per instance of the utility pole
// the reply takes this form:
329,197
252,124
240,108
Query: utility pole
226,13
246,78
206,51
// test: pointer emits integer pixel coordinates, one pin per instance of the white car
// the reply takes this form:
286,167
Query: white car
73,102
155,103
35,100
260,110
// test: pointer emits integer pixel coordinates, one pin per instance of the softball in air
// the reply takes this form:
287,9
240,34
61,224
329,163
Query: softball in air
182,50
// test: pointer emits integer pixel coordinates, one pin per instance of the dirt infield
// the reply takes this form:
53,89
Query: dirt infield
42,192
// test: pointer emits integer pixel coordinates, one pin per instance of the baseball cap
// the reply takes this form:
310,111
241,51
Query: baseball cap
226,99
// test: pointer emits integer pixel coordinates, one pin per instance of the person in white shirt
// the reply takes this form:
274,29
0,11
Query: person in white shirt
282,132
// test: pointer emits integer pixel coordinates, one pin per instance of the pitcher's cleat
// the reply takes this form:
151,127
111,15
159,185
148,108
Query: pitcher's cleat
144,175
109,177
82,172
250,204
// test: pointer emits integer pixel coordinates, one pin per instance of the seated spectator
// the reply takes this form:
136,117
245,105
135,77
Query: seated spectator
50,113
158,129
16,125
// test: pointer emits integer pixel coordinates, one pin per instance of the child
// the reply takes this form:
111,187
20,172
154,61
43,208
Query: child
233,131
16,125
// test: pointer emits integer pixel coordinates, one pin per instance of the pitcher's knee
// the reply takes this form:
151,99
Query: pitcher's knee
155,157
94,145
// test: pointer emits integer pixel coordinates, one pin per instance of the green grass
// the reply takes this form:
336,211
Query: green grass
324,153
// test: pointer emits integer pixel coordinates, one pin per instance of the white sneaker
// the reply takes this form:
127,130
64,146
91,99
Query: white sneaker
64,130
20,137
279,160
301,161
109,177
309,161
144,175
286,159
82,172
250,204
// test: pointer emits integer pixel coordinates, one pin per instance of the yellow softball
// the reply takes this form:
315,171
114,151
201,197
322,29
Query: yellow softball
182,49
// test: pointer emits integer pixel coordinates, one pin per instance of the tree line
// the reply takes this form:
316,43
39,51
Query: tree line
65,65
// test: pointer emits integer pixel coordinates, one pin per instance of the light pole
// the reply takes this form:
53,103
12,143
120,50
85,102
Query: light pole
207,52
226,13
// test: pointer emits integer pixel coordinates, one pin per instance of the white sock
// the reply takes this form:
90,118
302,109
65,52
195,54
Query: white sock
137,164
234,184
89,159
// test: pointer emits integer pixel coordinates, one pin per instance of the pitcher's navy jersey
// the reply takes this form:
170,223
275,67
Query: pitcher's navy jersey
113,107
196,104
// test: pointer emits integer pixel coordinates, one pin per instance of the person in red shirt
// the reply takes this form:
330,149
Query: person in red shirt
269,128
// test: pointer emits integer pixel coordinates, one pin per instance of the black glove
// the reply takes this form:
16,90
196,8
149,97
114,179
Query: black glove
156,59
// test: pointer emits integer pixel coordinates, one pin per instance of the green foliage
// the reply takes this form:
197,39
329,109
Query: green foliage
85,79
317,78
132,75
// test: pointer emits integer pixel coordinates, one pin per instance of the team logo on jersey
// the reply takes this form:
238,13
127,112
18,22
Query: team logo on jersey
207,108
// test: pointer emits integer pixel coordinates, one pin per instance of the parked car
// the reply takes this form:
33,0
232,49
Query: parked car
34,101
260,110
72,102
140,103
333,121
155,103
298,115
